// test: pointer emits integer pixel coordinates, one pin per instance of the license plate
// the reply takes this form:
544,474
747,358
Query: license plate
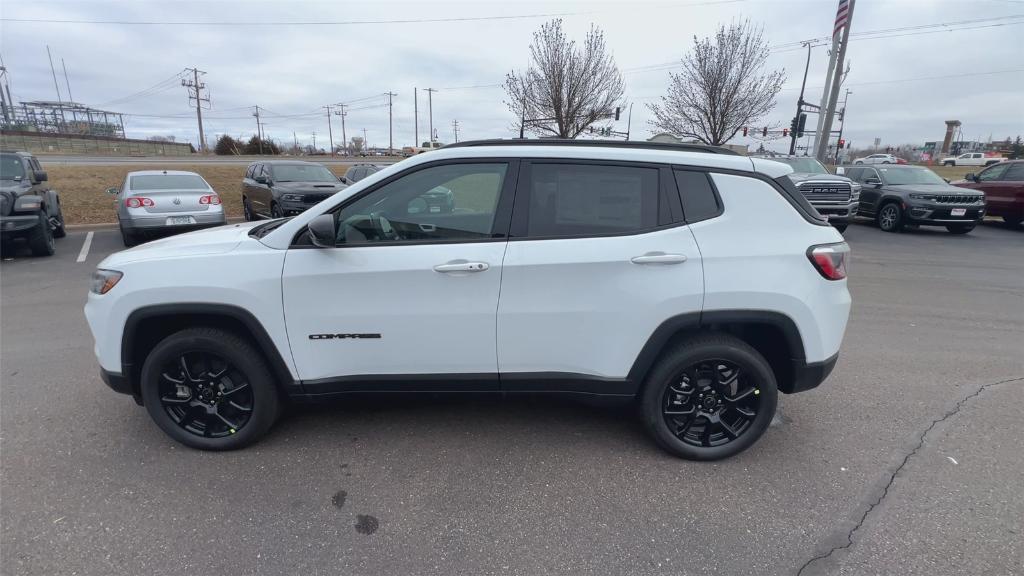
179,220
958,212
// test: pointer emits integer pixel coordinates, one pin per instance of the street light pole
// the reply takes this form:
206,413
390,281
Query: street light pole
800,102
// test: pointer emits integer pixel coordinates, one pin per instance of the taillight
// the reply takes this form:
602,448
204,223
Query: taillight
137,202
830,259
210,199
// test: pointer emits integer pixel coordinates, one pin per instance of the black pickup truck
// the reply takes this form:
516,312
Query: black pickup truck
29,207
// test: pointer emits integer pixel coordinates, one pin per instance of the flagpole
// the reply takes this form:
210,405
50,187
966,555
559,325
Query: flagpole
837,79
841,11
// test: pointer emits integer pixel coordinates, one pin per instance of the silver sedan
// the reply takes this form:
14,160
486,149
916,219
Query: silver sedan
165,201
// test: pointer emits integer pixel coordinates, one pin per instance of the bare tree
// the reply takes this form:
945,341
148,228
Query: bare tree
567,88
722,86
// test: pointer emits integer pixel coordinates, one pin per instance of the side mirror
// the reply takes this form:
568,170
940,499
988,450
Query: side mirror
947,180
840,170
970,177
322,231
261,179
113,191
873,182
39,176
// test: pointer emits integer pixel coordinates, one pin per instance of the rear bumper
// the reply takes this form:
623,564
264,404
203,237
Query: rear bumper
809,375
154,223
18,224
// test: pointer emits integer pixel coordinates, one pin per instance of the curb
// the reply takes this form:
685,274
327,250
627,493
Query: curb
114,225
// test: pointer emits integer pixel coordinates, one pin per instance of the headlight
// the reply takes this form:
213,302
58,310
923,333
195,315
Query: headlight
104,280
292,197
923,196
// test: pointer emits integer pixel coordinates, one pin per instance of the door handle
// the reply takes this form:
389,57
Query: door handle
461,266
659,258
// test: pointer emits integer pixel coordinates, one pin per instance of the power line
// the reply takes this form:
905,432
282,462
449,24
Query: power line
295,22
158,87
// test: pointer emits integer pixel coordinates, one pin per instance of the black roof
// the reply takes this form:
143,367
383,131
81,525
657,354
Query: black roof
596,144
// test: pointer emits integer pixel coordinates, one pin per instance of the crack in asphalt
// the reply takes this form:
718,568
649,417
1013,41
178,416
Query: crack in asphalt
892,477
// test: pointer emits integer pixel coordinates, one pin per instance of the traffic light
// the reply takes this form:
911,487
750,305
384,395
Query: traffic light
764,132
842,142
793,124
785,132
617,111
744,130
800,125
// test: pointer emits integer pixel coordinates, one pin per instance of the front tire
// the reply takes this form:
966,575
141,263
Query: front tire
709,398
59,231
890,218
275,211
841,227
247,210
209,389
40,239
859,163
949,163
960,228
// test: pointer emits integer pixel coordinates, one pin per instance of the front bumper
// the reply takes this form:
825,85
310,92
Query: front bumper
941,215
809,375
837,212
18,224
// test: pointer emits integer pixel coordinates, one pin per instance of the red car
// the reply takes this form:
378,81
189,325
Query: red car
1003,185
901,161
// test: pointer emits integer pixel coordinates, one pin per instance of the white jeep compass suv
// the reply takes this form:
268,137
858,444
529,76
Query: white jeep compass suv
699,282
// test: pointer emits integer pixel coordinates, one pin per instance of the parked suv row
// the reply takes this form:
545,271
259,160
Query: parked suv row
698,282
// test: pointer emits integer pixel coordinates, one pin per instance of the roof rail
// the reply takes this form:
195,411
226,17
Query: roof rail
706,148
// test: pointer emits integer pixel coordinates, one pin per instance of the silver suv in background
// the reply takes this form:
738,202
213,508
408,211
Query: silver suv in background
834,197
165,201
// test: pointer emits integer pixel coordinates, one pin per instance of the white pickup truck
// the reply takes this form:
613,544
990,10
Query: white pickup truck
970,159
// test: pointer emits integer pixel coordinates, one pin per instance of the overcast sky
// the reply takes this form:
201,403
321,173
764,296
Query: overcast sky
293,70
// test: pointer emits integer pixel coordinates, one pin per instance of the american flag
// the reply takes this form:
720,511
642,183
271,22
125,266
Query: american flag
842,16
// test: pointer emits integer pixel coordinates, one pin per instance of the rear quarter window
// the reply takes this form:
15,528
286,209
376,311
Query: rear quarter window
700,202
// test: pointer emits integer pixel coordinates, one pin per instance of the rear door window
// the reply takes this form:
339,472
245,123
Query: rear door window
1015,173
566,199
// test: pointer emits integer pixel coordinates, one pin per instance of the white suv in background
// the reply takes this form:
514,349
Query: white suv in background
877,159
696,281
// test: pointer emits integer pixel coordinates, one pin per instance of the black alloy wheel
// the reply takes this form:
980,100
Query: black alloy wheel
275,211
205,395
247,210
709,398
711,403
890,218
210,389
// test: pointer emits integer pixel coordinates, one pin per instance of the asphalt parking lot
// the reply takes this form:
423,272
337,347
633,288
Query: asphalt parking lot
906,461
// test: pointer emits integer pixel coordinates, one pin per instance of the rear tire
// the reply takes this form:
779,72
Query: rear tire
960,228
128,238
1013,220
729,387
40,239
247,210
890,218
59,231
226,381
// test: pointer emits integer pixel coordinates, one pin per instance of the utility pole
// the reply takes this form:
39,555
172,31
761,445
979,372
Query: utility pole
842,123
342,113
455,127
629,121
195,92
837,76
430,106
314,140
259,130
416,117
330,133
68,84
52,71
365,147
295,142
800,103
391,142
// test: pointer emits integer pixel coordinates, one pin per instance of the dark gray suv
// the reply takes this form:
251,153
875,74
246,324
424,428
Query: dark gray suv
279,188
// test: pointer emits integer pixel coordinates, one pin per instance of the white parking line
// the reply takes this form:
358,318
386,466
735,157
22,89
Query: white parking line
85,248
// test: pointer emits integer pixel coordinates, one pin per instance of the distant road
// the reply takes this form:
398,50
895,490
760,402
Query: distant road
69,160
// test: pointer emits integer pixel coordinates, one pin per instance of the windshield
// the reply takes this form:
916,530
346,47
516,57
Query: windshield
302,173
168,182
915,175
11,167
806,165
